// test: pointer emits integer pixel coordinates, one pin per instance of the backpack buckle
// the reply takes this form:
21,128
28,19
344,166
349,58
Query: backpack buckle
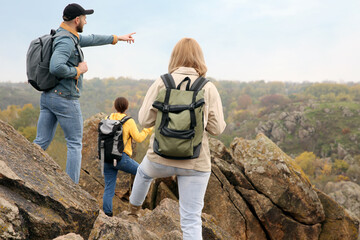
192,106
166,108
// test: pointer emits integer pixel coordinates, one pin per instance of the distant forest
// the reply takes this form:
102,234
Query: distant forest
248,107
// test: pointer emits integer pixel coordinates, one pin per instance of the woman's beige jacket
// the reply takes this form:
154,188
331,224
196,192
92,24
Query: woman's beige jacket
213,120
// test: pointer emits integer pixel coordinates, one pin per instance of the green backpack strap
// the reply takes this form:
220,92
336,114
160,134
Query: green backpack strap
199,84
169,84
168,81
196,87
187,85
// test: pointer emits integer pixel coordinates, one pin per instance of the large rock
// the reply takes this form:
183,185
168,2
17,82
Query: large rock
229,209
166,219
338,223
218,149
70,236
277,223
346,193
161,223
255,192
118,228
277,133
259,217
275,175
37,199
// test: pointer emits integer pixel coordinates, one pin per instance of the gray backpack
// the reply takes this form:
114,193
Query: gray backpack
110,141
38,60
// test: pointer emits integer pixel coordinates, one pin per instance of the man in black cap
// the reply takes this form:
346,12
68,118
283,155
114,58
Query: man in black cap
61,104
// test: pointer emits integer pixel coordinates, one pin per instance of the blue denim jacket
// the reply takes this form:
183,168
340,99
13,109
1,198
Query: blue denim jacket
66,58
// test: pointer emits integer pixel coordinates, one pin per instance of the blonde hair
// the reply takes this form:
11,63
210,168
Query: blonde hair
187,53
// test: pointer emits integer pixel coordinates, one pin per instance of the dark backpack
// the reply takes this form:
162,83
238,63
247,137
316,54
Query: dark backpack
179,124
38,60
110,140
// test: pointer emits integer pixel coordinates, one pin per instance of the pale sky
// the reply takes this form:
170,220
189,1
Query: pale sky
245,40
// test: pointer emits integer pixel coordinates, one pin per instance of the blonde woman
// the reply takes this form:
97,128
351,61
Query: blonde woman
186,60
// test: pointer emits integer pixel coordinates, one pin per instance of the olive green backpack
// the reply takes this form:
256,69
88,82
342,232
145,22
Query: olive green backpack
179,123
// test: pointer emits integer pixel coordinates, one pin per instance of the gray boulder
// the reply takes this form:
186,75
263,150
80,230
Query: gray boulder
346,193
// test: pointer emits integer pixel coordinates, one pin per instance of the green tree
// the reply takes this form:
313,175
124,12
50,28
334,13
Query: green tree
340,166
27,116
29,132
319,89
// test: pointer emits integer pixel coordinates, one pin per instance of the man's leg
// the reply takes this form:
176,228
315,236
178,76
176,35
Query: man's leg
46,125
192,190
68,113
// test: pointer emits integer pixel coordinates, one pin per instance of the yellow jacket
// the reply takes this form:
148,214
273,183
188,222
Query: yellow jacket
130,131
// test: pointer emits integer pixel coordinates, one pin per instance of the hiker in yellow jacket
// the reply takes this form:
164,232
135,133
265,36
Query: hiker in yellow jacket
127,164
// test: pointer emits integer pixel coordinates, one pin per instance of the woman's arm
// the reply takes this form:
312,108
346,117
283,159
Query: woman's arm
216,123
134,132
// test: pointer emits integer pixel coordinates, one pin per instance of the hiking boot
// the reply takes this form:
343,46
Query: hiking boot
110,214
134,210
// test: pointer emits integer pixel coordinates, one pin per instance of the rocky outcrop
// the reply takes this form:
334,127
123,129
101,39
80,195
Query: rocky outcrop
273,130
338,223
277,191
276,176
70,236
347,194
119,228
293,123
255,191
229,209
346,112
161,223
37,199
280,202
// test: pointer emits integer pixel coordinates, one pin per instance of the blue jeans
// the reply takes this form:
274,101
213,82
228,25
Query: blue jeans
192,186
126,164
53,110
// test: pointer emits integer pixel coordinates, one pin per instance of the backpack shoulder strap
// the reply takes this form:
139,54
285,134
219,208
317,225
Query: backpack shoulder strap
199,84
75,40
124,119
64,33
168,81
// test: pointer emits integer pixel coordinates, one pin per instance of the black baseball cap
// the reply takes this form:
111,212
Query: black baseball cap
74,10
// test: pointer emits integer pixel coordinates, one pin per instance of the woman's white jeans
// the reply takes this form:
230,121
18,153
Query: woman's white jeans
192,187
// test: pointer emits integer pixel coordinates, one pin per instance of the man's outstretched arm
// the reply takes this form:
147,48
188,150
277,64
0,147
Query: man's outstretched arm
127,37
98,40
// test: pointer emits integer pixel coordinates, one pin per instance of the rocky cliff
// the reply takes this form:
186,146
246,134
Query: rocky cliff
37,199
255,192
